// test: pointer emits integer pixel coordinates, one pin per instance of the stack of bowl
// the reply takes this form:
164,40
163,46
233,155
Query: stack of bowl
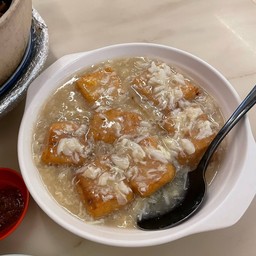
15,25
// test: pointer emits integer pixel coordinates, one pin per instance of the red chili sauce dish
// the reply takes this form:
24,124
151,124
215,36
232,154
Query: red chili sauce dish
14,198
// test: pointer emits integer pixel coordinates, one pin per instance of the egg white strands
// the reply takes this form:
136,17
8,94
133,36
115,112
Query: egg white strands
160,154
71,147
108,182
187,146
205,129
173,147
160,78
184,119
121,162
187,120
90,171
136,150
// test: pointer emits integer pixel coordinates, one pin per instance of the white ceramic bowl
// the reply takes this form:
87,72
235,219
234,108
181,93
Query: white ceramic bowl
15,27
229,195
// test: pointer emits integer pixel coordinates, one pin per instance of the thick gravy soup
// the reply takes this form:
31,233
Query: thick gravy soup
118,139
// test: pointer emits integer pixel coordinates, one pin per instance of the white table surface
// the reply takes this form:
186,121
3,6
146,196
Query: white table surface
223,33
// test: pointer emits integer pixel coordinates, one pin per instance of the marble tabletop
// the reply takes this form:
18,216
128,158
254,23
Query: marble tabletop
220,32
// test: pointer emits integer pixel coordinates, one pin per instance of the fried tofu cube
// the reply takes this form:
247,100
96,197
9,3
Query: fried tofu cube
151,176
112,124
144,90
182,120
189,91
101,84
101,191
163,88
168,124
197,139
149,142
65,144
153,172
200,146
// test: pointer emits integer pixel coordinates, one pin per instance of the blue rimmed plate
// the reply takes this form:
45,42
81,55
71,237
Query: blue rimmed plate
14,90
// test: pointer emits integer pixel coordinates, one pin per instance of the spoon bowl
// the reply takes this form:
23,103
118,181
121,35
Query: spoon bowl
197,187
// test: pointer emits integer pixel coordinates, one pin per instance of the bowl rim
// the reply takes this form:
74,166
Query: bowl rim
37,88
6,16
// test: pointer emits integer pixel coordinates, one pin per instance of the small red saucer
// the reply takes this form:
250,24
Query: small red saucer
14,199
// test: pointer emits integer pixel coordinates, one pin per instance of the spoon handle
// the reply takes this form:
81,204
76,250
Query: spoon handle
241,110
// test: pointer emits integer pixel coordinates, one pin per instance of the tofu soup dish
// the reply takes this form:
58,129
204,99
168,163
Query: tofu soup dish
117,140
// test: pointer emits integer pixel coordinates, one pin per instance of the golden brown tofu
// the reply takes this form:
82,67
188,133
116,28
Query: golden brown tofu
149,142
144,90
152,172
168,124
101,191
112,124
151,176
101,84
65,144
163,88
189,91
196,138
200,147
186,119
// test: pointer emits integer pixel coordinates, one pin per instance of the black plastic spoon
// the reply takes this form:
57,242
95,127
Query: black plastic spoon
196,191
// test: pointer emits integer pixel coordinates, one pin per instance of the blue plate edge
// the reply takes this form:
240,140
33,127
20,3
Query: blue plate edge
17,73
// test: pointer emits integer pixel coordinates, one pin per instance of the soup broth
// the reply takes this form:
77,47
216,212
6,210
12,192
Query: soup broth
121,137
